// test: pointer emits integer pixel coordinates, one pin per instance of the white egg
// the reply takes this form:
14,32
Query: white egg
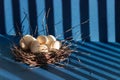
42,39
56,45
25,41
36,47
51,39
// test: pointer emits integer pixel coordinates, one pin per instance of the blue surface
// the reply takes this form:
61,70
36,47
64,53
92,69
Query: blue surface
94,60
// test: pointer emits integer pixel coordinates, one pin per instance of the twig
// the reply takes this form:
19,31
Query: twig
29,23
18,30
47,31
36,30
58,36
48,13
40,13
85,21
43,20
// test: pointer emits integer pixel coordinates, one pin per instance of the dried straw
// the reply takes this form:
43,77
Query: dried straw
40,59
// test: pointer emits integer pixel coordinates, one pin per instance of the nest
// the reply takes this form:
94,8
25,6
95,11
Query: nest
43,58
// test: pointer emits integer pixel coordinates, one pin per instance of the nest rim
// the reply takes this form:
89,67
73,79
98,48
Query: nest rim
40,59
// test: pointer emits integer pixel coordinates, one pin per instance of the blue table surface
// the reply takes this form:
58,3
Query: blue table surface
93,61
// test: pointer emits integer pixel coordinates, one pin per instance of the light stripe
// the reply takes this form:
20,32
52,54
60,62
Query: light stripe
111,20
8,17
24,12
99,77
99,67
58,18
75,14
93,20
40,5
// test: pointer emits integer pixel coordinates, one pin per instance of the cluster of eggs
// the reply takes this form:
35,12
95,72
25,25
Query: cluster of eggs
40,44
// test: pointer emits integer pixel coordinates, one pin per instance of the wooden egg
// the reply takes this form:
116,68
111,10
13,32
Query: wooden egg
42,39
36,47
56,45
25,41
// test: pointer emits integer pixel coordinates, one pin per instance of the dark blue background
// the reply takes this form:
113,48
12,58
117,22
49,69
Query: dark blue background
101,16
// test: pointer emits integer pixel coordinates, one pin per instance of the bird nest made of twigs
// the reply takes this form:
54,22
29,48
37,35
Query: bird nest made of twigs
35,56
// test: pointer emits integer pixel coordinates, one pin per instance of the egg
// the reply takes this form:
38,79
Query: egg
51,39
56,45
25,41
43,48
42,39
36,47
